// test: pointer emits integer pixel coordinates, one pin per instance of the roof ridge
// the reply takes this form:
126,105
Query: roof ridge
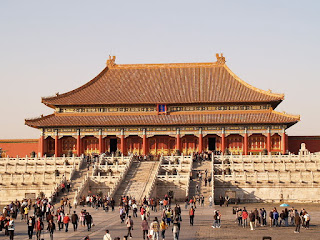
281,95
163,65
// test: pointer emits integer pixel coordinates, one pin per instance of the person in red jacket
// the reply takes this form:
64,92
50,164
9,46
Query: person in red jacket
38,227
66,221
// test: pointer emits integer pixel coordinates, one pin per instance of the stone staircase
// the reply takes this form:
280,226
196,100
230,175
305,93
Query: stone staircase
75,183
138,180
203,190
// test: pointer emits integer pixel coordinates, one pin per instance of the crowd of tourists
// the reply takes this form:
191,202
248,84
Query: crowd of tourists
273,218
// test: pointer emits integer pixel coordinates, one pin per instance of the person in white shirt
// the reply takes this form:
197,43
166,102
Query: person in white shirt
107,236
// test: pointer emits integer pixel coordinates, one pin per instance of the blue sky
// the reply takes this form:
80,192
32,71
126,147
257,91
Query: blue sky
56,46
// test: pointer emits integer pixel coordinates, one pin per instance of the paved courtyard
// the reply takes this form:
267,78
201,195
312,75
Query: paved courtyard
201,230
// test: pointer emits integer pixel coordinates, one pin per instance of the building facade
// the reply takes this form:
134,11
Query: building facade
164,109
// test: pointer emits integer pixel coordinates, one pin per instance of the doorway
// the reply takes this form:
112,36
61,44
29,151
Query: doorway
113,145
212,144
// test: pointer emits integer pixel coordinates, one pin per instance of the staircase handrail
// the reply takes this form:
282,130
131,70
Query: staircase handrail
155,178
188,182
115,187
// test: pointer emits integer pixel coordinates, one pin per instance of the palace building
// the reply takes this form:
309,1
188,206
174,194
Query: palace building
164,109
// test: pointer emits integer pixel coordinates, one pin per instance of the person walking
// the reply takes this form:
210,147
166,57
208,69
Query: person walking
306,217
163,228
252,219
145,228
297,222
244,218
191,215
88,219
107,236
74,220
51,228
66,221
38,227
129,224
30,223
154,229
11,228
176,230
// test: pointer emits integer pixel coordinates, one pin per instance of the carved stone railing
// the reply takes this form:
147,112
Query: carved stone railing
154,179
123,174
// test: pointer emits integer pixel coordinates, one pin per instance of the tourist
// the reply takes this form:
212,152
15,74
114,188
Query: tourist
306,217
134,209
216,219
163,228
191,215
51,228
210,201
66,221
145,228
252,219
74,220
168,216
38,227
176,230
245,218
88,219
154,229
11,228
286,217
263,215
107,236
82,218
297,222
129,224
239,217
275,217
271,218
282,218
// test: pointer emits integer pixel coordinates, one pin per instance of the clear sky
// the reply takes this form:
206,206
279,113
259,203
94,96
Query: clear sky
56,46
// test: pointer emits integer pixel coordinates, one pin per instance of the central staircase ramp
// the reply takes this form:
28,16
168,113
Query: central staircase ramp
138,181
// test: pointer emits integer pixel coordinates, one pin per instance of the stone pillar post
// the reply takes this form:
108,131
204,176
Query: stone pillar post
200,140
79,152
245,142
100,142
268,140
223,141
144,142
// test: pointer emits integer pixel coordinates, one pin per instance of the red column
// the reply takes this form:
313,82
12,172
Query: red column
79,152
245,144
100,144
178,146
223,142
122,144
56,146
269,142
144,145
41,146
200,142
284,143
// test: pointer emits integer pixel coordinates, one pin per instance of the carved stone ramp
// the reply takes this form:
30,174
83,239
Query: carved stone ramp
137,181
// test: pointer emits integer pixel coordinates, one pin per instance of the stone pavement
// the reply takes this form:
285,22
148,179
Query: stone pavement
201,230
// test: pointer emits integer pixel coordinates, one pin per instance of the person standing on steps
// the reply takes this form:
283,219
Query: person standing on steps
51,228
11,228
74,220
129,224
107,236
191,215
145,228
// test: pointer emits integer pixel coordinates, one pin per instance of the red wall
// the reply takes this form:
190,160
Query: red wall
20,147
312,143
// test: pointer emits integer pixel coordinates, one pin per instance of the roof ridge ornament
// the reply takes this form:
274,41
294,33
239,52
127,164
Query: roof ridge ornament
111,62
221,60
